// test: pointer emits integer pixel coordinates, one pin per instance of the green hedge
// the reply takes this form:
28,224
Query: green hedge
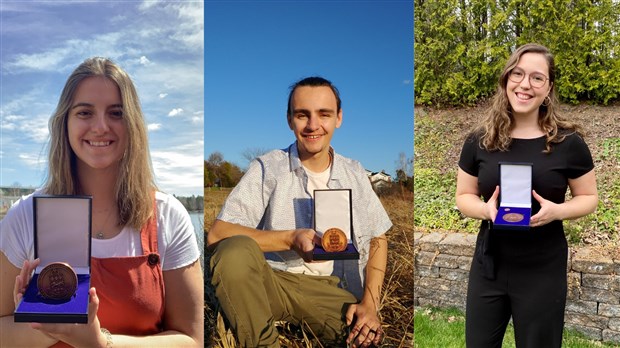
461,46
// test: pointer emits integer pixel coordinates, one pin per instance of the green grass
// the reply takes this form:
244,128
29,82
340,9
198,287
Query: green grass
439,135
436,209
446,328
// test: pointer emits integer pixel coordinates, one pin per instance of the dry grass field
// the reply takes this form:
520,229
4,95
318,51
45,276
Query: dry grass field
397,302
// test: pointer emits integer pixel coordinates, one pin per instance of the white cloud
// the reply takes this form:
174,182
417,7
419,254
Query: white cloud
154,126
175,112
34,128
191,29
163,95
118,19
39,61
198,117
65,56
11,122
177,79
147,4
144,60
179,170
38,131
141,38
14,118
33,160
406,82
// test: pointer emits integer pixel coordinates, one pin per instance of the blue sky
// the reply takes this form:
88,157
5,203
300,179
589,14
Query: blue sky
160,44
254,50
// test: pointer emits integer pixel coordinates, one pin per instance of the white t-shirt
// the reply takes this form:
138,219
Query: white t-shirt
176,239
316,181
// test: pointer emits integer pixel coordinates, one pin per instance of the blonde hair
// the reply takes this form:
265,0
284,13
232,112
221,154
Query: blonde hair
135,183
499,122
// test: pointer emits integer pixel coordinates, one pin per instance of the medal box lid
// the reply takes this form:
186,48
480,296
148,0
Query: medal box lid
515,184
515,205
333,209
62,233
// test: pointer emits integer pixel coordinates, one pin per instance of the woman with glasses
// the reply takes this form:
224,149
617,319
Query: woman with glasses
522,273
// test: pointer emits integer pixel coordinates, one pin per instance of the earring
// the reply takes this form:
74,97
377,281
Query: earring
546,101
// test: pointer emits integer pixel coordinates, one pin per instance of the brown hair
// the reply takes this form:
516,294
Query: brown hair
313,81
498,122
135,183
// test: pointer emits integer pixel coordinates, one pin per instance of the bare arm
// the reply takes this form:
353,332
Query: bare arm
184,312
183,316
583,190
583,202
468,198
15,334
585,197
375,272
367,324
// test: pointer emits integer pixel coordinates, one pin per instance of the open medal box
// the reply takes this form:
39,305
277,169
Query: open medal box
333,209
62,233
515,207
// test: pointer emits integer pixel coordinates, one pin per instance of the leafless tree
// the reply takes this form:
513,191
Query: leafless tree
252,152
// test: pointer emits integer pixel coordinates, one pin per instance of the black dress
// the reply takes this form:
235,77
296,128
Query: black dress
521,273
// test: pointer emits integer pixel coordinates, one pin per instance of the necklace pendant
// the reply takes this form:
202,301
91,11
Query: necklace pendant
100,235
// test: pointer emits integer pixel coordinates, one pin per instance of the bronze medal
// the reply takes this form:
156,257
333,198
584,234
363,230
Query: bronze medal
334,240
513,217
57,281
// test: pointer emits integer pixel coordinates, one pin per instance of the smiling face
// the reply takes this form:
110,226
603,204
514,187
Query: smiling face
313,120
525,98
96,129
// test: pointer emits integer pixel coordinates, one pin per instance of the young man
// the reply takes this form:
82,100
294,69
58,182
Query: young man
263,237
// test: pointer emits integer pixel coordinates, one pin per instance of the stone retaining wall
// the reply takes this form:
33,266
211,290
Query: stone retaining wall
441,270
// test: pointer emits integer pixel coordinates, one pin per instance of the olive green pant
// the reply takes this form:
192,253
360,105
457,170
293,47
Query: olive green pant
253,296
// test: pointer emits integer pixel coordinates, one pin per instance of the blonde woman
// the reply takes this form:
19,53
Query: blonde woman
147,284
522,274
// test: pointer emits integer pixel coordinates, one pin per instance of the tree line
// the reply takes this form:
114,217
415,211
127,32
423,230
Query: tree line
221,173
192,203
461,46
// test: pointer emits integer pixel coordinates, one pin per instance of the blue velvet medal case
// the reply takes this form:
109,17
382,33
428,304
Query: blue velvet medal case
515,207
333,208
62,233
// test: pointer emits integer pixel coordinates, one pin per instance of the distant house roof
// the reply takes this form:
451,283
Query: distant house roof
382,175
378,179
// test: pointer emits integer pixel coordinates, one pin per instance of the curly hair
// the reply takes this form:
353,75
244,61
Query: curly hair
496,127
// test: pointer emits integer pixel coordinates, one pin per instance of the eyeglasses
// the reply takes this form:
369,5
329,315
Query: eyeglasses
537,80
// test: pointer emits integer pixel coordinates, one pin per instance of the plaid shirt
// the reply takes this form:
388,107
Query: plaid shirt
273,195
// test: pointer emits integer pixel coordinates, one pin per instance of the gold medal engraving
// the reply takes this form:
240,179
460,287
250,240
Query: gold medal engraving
334,240
57,281
513,217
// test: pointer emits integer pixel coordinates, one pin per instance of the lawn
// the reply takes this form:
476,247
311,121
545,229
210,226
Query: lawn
446,328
